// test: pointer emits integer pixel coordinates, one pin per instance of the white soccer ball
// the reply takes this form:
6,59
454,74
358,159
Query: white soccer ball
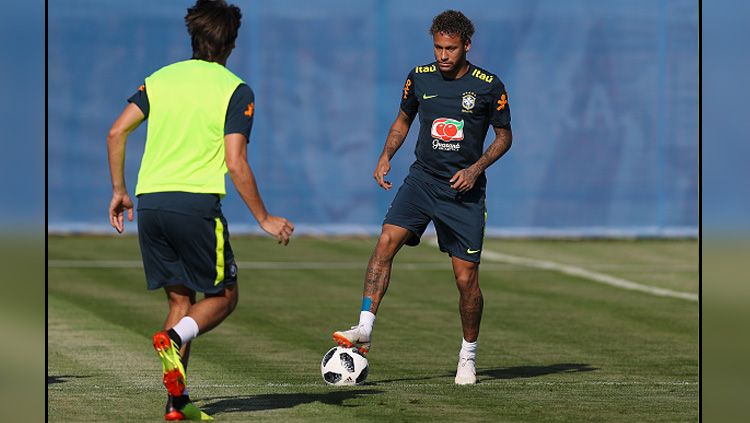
344,366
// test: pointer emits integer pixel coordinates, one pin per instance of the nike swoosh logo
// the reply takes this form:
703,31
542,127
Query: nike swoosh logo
470,251
427,97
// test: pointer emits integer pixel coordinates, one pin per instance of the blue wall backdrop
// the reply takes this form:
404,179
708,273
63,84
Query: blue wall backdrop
603,94
726,90
22,118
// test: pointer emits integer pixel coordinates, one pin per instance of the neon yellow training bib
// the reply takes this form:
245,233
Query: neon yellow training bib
188,104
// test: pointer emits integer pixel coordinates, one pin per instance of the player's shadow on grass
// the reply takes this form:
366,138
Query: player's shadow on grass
51,380
275,401
505,372
534,371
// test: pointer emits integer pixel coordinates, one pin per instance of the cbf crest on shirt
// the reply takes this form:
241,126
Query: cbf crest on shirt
454,117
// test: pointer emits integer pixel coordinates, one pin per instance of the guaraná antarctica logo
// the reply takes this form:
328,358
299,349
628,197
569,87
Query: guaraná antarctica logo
446,130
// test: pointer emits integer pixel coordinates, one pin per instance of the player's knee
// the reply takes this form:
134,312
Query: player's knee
179,304
386,246
468,283
232,300
385,240
231,305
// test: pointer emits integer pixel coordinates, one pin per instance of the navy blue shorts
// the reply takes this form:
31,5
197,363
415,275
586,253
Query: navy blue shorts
459,218
184,240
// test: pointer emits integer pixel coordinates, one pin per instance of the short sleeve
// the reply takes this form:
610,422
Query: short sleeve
241,111
499,107
409,102
140,99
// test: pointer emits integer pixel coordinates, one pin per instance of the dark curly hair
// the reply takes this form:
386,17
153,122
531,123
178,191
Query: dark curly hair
213,26
453,22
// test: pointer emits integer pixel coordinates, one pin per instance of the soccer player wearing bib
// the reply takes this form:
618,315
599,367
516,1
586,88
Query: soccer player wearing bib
200,117
456,102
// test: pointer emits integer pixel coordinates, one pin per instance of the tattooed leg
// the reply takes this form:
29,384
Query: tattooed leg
471,301
378,273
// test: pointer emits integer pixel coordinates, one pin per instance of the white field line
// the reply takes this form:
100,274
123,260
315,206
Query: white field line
583,273
587,274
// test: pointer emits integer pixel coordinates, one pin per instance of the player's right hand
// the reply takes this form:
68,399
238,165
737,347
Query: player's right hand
278,227
382,169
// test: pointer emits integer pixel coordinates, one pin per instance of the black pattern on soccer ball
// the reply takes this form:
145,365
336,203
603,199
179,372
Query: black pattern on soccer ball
356,351
328,356
362,375
332,377
347,361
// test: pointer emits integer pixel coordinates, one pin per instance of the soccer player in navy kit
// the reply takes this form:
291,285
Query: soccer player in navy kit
456,102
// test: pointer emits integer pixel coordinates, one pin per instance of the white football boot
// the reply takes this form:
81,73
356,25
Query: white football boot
353,338
466,373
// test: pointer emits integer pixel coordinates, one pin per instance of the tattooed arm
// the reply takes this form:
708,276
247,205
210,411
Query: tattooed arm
396,137
464,179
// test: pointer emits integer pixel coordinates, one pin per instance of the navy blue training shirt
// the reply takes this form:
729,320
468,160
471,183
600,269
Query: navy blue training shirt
454,116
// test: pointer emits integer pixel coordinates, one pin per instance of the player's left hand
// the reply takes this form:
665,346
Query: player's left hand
464,179
120,202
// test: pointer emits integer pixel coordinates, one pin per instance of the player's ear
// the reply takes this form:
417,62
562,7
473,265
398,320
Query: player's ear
467,45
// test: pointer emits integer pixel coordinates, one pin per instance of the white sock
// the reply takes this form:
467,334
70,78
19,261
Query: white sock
187,329
366,320
468,350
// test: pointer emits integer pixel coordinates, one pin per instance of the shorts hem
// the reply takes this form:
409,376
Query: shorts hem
213,289
474,259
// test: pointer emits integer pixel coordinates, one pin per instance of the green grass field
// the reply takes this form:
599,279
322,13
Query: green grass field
553,347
